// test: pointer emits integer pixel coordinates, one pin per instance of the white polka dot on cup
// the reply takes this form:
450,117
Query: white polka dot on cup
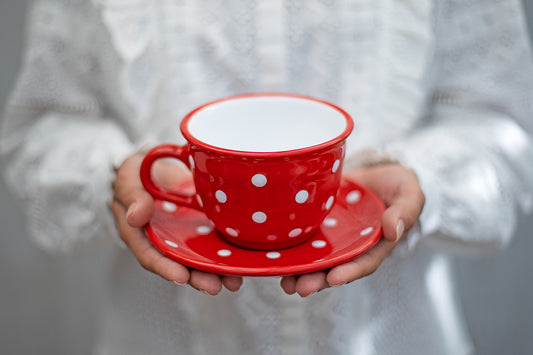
259,217
232,232
335,166
329,203
301,196
221,196
295,232
271,237
199,199
259,180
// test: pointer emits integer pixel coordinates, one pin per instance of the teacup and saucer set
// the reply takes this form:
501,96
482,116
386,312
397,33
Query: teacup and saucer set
267,197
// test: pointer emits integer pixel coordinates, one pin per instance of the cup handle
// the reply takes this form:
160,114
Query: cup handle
166,151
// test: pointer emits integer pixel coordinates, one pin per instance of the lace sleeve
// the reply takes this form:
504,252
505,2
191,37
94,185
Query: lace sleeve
58,137
474,157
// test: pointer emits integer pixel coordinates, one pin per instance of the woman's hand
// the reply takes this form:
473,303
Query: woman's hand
398,188
133,207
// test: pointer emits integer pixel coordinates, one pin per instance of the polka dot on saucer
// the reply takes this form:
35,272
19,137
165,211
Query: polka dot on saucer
204,230
171,243
169,206
353,196
366,231
330,222
273,255
224,253
318,243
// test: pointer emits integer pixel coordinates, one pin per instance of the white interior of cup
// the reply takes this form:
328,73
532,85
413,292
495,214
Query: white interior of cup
266,123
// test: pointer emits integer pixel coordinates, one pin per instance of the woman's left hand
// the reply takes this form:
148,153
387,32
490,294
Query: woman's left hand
400,191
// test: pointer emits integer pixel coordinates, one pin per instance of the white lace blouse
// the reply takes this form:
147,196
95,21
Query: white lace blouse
445,87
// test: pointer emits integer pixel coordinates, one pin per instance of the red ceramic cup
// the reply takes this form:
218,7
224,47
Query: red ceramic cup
266,167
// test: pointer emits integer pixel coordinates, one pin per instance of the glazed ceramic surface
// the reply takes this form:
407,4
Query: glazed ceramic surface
270,169
187,236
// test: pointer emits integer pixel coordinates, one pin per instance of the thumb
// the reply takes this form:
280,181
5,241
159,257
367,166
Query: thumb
130,193
400,217
141,209
403,208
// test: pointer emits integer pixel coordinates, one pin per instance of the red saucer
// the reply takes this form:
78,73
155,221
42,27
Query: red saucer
188,237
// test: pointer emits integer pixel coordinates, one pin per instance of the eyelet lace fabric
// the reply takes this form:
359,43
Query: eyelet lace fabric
443,87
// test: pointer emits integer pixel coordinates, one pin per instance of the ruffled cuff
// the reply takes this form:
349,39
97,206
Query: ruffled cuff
64,177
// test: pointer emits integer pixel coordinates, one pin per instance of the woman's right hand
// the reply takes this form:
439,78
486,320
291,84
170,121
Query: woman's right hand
133,207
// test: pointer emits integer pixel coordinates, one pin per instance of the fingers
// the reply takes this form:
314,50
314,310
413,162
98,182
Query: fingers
288,284
148,256
141,209
362,265
400,191
305,285
210,284
133,207
232,283
309,284
152,260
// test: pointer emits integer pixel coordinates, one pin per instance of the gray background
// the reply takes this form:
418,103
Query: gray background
48,302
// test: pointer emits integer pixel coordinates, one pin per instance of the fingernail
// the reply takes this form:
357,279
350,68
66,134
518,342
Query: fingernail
179,283
131,209
400,228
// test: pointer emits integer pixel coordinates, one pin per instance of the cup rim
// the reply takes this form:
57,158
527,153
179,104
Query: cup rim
313,148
